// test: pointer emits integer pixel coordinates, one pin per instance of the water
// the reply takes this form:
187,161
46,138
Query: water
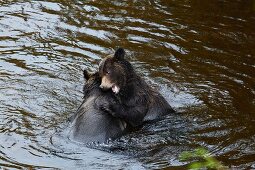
199,54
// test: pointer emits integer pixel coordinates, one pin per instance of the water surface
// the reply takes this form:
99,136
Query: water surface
199,54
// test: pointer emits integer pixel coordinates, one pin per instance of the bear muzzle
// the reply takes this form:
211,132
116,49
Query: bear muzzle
103,87
107,84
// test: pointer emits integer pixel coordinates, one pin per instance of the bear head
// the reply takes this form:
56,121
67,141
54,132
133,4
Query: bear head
92,82
115,71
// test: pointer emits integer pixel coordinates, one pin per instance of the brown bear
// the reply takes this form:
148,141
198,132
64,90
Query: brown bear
92,124
137,101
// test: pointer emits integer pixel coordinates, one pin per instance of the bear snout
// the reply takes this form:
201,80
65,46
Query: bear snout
102,87
106,83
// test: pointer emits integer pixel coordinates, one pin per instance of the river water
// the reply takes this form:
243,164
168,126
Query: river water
199,54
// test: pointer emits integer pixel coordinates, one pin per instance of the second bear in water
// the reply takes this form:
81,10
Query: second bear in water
92,124
138,102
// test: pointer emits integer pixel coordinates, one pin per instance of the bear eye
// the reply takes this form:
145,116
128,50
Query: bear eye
107,72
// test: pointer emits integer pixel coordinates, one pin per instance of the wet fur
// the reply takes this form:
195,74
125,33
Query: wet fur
138,102
91,123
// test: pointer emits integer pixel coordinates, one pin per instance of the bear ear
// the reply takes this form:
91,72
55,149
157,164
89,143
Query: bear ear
86,74
119,54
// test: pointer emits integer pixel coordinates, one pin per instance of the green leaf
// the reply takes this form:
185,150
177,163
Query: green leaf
186,155
196,165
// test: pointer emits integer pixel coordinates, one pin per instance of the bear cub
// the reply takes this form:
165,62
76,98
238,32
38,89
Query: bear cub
137,101
92,124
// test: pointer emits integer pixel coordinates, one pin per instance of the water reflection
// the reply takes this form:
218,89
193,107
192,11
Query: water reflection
202,62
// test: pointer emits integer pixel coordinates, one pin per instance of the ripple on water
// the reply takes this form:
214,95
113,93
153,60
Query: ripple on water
201,62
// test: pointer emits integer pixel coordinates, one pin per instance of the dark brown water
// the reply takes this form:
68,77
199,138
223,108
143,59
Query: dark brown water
199,54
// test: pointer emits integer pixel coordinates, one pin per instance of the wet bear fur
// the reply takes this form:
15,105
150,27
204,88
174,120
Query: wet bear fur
92,124
137,101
